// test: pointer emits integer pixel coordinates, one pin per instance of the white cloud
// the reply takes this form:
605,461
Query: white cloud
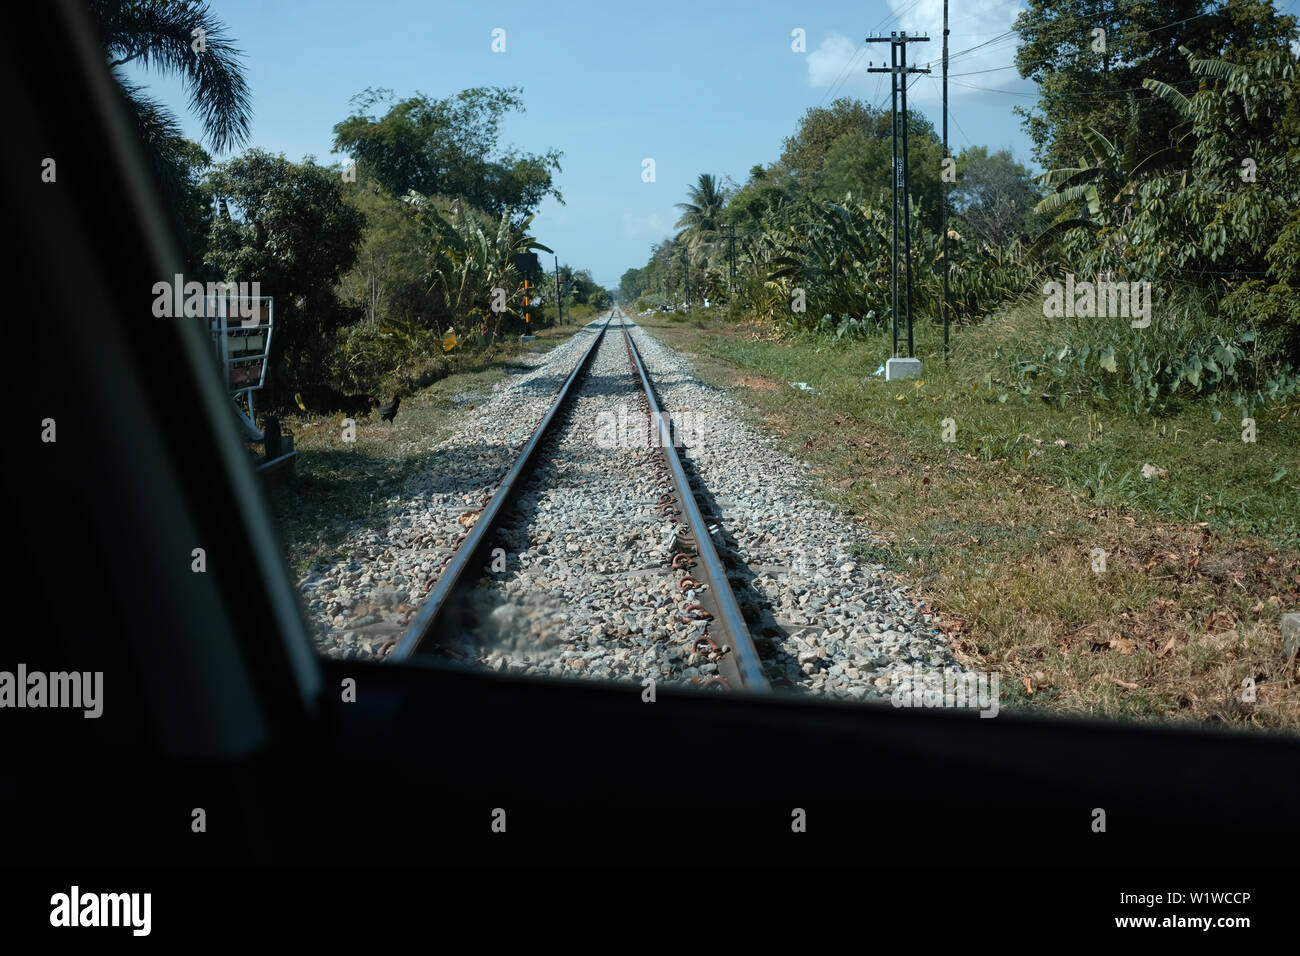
970,23
653,224
827,62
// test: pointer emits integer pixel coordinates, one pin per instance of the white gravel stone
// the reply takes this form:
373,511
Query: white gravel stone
587,591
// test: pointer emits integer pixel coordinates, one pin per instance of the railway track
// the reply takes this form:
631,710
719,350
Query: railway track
522,586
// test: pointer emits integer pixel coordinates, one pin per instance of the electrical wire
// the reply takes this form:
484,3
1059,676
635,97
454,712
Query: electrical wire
951,116
845,73
991,70
1118,41
1080,97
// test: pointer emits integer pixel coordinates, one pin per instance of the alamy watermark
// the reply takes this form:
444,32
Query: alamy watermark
630,428
1102,299
75,908
180,298
75,690
950,687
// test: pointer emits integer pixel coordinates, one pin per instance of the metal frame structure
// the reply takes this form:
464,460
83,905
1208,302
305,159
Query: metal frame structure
240,349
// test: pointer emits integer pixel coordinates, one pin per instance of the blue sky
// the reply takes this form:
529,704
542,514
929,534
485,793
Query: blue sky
698,87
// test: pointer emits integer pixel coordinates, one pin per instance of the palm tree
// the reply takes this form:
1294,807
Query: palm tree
163,35
702,216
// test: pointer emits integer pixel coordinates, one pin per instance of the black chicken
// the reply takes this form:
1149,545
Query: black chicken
389,412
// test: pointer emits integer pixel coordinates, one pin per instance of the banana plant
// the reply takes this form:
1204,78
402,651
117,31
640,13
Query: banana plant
1107,187
1101,193
839,254
468,265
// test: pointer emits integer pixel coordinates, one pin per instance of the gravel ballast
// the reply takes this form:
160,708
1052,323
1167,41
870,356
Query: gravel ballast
581,586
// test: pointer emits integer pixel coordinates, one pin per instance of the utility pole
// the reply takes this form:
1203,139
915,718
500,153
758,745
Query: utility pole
907,204
731,276
899,71
893,185
732,236
559,302
686,264
945,185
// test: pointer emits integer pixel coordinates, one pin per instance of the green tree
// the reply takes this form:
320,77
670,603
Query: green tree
159,34
190,201
388,282
1099,195
1081,88
1229,215
287,226
448,147
994,196
631,285
1273,299
582,286
805,153
470,257
859,162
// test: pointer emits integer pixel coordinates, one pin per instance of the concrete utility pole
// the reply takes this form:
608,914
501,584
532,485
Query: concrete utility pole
898,70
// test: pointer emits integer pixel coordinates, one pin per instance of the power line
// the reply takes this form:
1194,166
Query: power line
1001,37
911,83
1106,94
954,118
991,70
845,73
1076,18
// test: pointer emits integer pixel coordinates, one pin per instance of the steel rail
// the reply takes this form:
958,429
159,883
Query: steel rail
743,660
426,621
